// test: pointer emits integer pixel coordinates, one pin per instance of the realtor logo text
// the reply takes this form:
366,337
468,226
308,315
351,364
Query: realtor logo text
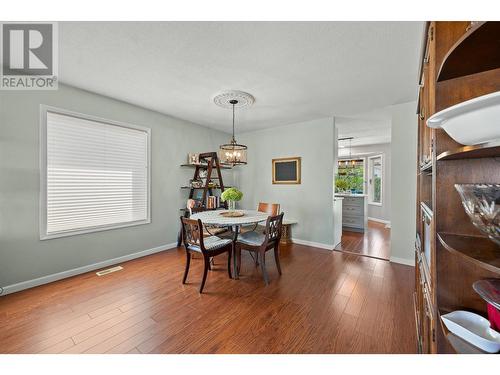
29,56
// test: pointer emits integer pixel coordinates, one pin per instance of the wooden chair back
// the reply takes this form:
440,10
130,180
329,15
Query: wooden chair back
192,231
273,229
272,209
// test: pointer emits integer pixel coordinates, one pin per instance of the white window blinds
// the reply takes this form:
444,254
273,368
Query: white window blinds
96,176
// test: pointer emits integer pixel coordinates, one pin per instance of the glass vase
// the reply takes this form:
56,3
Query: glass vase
232,205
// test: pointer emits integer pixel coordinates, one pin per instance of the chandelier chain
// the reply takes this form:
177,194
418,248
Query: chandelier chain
234,140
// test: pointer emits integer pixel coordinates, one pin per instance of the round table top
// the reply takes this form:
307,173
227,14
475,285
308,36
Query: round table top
214,217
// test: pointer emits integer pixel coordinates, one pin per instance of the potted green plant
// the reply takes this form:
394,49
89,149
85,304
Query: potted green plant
231,195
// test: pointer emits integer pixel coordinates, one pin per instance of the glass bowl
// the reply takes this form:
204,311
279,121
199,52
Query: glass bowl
482,203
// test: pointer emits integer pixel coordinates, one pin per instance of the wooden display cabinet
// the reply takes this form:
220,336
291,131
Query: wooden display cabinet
459,254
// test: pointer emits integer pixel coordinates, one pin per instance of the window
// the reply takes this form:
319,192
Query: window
95,174
350,176
375,179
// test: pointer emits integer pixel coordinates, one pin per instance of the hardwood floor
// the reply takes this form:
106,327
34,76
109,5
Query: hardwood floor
325,302
375,242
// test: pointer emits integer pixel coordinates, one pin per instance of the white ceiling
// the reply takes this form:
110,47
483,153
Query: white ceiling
368,128
297,71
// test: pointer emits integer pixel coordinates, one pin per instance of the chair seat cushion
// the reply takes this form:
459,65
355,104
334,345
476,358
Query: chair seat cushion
213,231
252,238
211,243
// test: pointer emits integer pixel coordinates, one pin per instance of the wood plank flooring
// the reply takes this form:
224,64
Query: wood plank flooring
374,242
325,302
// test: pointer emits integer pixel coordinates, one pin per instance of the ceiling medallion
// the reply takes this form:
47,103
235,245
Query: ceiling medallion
243,99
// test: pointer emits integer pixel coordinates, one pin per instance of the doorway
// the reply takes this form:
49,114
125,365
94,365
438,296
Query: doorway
362,182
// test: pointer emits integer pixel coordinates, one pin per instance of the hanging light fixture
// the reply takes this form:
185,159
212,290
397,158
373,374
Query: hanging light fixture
348,163
233,153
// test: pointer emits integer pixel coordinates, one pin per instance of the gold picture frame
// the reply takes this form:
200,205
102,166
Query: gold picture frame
286,171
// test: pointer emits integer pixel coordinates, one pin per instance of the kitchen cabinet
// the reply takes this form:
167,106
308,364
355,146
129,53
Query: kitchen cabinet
354,212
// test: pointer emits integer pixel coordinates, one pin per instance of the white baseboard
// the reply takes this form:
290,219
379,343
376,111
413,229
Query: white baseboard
77,271
405,261
313,244
387,222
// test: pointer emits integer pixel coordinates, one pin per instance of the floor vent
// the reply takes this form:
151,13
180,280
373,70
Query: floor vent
109,270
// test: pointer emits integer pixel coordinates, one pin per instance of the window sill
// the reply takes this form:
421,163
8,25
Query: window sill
375,204
45,236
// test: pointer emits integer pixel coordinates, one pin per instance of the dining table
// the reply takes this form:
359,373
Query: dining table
214,217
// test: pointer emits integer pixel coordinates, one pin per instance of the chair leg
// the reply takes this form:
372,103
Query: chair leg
179,237
277,258
209,266
186,271
238,260
229,263
263,267
205,271
256,259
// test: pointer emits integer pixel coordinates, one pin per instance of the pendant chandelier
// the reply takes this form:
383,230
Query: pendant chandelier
233,153
349,163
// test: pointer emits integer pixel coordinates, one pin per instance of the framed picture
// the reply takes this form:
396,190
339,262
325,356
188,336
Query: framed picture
286,170
193,158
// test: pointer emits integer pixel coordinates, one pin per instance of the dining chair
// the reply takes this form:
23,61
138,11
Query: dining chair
272,209
209,247
208,230
259,243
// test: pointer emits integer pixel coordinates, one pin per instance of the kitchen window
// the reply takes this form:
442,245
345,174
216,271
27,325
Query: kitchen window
350,176
375,180
95,174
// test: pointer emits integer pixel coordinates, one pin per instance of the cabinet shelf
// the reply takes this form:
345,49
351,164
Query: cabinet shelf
480,251
485,150
457,344
476,51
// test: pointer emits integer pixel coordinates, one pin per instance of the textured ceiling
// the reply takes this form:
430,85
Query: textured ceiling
297,71
366,129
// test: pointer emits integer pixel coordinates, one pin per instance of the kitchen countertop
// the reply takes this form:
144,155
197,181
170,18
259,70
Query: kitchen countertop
349,195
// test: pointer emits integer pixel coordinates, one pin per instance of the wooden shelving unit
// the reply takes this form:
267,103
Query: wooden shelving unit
451,253
209,162
485,150
476,51
480,251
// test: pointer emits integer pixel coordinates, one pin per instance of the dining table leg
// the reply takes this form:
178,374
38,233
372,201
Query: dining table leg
235,229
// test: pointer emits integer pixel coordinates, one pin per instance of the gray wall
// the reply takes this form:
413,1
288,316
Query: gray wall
311,202
22,255
378,212
404,183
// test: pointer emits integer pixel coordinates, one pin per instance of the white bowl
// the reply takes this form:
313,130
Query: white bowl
474,329
471,122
